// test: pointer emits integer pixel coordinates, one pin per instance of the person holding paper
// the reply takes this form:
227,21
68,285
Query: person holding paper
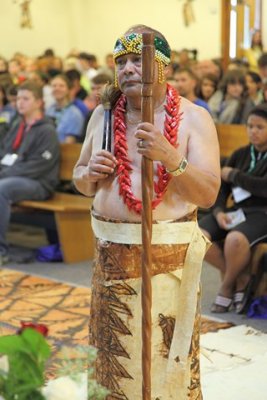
245,223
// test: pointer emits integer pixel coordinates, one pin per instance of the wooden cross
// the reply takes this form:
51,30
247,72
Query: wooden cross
26,19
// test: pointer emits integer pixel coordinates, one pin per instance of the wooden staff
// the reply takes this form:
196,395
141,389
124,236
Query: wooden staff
148,56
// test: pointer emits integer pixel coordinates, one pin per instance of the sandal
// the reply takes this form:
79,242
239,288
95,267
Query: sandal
242,297
222,304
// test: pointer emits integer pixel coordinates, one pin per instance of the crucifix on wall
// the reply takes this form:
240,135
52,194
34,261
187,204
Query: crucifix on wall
25,19
188,12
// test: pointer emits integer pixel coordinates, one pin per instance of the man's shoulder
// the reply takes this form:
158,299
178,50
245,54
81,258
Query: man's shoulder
185,104
97,113
195,118
187,107
201,103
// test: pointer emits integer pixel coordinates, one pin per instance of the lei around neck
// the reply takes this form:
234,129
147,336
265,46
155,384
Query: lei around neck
123,171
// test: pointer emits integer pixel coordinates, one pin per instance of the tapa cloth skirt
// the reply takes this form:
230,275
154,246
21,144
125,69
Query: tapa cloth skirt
178,249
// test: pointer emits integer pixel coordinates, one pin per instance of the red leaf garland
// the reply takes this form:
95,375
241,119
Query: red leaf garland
124,168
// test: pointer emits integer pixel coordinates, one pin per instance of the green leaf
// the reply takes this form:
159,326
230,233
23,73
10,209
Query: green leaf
10,344
36,343
30,341
27,354
23,368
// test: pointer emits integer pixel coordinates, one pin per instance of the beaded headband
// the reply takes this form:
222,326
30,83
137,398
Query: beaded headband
133,43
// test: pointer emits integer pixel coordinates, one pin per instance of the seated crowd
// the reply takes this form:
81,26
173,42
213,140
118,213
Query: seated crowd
43,103
55,98
71,87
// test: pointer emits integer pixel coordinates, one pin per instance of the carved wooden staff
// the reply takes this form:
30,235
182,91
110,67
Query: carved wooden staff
148,56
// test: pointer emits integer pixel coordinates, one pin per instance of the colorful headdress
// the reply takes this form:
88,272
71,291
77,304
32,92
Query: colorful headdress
133,43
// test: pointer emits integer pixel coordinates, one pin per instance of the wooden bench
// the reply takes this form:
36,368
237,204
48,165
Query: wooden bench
72,212
231,138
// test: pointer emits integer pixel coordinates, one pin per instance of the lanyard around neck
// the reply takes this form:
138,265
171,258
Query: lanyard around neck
253,160
18,139
23,128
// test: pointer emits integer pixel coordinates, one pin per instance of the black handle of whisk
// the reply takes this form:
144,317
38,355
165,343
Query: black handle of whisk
106,143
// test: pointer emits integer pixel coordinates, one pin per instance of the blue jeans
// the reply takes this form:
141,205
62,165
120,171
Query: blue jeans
13,190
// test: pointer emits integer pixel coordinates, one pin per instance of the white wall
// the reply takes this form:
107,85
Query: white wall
51,27
264,23
93,26
166,16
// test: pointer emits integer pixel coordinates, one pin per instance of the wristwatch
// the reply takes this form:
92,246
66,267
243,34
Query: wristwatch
180,169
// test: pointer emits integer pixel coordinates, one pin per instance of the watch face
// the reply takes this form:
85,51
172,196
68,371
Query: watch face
183,165
181,168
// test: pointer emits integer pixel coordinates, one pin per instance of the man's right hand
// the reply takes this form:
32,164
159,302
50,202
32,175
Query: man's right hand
101,165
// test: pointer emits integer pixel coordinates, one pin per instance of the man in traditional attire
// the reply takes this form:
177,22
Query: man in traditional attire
182,142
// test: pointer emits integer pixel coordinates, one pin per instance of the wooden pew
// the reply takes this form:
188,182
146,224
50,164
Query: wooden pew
72,212
231,138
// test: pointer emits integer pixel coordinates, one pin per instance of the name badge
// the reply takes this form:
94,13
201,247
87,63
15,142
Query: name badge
236,218
240,194
9,159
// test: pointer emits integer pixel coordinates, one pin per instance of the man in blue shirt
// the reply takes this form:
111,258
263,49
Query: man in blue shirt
68,118
186,84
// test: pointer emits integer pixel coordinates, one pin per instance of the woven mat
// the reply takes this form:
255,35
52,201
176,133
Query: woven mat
64,309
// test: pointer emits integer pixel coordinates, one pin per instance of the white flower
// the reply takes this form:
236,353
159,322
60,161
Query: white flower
4,366
65,388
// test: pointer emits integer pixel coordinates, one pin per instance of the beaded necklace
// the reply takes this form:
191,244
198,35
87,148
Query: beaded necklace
124,168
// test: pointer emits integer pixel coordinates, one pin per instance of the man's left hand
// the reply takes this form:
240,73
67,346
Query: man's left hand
225,171
152,144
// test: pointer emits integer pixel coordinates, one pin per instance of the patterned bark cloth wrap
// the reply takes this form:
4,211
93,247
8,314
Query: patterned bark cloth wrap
178,248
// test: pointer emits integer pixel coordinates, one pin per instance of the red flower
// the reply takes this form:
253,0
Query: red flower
37,327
